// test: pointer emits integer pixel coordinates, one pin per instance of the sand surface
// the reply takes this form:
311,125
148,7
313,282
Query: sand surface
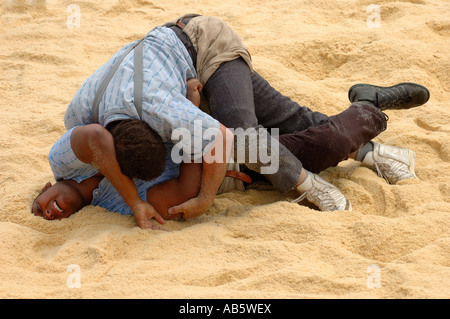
255,244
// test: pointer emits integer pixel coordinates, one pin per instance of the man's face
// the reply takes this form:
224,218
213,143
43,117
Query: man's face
58,201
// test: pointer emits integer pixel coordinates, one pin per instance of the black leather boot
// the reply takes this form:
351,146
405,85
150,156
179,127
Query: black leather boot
400,96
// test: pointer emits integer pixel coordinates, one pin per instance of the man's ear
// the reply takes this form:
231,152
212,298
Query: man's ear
194,84
47,186
198,86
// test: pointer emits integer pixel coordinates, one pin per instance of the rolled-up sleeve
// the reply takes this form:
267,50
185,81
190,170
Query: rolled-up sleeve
191,130
65,164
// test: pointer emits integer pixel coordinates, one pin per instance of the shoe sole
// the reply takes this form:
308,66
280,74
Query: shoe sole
348,205
412,160
387,87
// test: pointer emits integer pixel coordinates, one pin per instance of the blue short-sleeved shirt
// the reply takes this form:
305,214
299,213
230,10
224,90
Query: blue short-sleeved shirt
65,165
167,66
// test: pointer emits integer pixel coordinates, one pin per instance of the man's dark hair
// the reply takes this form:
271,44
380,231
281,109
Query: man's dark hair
140,151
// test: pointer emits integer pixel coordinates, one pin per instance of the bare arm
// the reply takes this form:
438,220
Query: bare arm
176,190
94,145
214,167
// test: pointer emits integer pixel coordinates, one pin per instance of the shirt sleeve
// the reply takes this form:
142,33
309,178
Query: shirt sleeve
64,163
192,130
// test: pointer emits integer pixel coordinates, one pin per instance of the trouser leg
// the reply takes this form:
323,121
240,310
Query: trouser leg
330,143
229,93
275,110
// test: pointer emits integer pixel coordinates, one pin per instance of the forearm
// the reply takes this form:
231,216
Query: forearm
214,166
212,178
124,185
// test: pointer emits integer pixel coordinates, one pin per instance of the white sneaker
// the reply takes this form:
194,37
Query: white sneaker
322,194
391,162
